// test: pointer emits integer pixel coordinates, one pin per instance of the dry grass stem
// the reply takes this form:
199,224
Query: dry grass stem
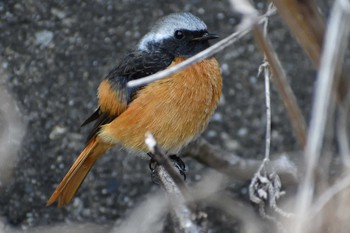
305,23
323,105
280,80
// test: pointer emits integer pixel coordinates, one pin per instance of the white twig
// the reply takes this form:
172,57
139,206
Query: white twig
170,182
268,113
150,142
243,30
265,186
280,81
267,76
182,212
266,160
323,107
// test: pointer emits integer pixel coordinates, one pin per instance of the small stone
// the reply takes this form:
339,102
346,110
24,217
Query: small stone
57,131
43,38
217,117
242,132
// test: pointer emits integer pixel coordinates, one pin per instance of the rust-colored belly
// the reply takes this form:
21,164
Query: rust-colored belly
175,109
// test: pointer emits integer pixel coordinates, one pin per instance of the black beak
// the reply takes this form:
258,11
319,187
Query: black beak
206,36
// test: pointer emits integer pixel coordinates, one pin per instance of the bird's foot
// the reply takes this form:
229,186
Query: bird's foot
177,161
179,164
152,166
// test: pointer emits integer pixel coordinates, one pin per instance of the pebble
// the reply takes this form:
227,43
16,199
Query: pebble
43,38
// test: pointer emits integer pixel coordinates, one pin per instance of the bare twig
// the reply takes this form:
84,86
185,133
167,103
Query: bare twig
160,158
267,100
280,80
238,168
308,27
323,107
305,23
182,213
166,174
244,29
265,185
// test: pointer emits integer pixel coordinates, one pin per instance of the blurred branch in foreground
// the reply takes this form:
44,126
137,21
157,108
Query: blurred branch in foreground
307,25
331,66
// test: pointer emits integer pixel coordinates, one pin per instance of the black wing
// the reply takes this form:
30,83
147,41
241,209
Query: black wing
135,65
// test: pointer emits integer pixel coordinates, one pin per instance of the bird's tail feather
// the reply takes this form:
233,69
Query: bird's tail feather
77,173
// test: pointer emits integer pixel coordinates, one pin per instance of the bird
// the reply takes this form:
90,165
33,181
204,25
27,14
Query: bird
176,109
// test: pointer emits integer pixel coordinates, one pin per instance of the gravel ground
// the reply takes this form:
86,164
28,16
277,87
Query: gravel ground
53,55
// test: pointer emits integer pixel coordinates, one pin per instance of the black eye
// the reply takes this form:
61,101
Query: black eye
179,34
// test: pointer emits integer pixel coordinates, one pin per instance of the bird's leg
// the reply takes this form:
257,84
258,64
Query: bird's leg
152,166
179,164
152,163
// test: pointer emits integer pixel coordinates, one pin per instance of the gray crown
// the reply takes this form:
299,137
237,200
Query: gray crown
166,26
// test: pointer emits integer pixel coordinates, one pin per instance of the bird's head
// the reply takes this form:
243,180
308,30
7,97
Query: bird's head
180,34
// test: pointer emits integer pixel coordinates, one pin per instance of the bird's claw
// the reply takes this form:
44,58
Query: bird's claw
179,164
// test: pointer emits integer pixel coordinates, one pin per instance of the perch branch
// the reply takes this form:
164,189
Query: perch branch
174,186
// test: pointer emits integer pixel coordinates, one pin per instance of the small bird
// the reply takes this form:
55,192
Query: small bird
175,109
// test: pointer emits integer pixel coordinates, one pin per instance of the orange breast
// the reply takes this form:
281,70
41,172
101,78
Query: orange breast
174,109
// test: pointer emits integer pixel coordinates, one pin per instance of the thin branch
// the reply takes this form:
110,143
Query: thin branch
238,168
280,80
268,101
265,185
305,23
182,213
160,158
268,113
244,29
323,107
174,186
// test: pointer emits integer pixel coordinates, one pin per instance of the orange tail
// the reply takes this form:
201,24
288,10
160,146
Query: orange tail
77,173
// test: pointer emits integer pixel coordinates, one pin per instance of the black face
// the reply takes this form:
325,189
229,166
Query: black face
186,43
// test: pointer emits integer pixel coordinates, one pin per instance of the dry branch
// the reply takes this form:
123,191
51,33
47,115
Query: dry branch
175,189
280,80
236,167
305,23
307,26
